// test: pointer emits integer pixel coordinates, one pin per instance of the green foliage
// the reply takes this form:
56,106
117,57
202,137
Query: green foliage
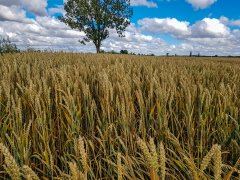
108,52
6,46
102,51
124,52
96,17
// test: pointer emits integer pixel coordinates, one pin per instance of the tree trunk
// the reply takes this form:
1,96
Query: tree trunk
98,46
98,49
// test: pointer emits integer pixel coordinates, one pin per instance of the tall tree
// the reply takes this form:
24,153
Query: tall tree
96,17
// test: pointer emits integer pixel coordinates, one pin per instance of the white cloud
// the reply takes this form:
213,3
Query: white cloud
56,10
12,13
41,33
149,4
10,2
49,33
201,4
206,28
166,25
208,36
134,41
229,22
219,46
37,7
51,23
209,28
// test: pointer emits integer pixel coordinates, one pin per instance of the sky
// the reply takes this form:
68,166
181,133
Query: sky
208,27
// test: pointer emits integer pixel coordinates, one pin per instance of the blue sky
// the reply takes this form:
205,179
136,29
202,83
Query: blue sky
159,26
181,10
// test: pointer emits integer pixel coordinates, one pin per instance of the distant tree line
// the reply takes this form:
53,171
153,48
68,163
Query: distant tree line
124,52
6,46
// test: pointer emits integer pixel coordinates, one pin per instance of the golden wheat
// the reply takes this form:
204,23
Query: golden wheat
10,164
75,173
180,107
119,167
30,174
162,158
83,154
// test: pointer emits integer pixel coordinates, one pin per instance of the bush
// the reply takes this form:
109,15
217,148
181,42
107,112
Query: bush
6,46
124,52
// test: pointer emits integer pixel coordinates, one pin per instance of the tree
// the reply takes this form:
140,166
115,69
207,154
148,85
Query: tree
96,17
124,52
190,54
6,46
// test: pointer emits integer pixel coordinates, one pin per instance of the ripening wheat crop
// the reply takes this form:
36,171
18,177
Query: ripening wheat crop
83,116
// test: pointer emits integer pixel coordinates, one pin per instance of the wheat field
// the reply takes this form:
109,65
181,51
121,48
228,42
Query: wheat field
85,116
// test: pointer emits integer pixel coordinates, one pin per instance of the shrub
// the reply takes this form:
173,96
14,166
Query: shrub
124,52
6,46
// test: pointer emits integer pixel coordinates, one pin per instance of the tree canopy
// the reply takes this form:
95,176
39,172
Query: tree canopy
96,17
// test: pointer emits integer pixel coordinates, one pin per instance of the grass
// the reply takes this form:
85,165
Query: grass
71,116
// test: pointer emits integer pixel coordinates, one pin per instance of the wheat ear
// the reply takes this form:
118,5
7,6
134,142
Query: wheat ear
149,157
10,164
154,154
83,154
119,166
75,173
206,160
217,163
162,161
29,173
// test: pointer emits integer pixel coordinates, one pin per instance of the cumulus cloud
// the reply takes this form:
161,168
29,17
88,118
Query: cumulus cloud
229,22
208,36
10,2
219,46
49,33
166,25
44,32
12,13
37,7
149,4
206,28
56,10
209,28
134,41
201,4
